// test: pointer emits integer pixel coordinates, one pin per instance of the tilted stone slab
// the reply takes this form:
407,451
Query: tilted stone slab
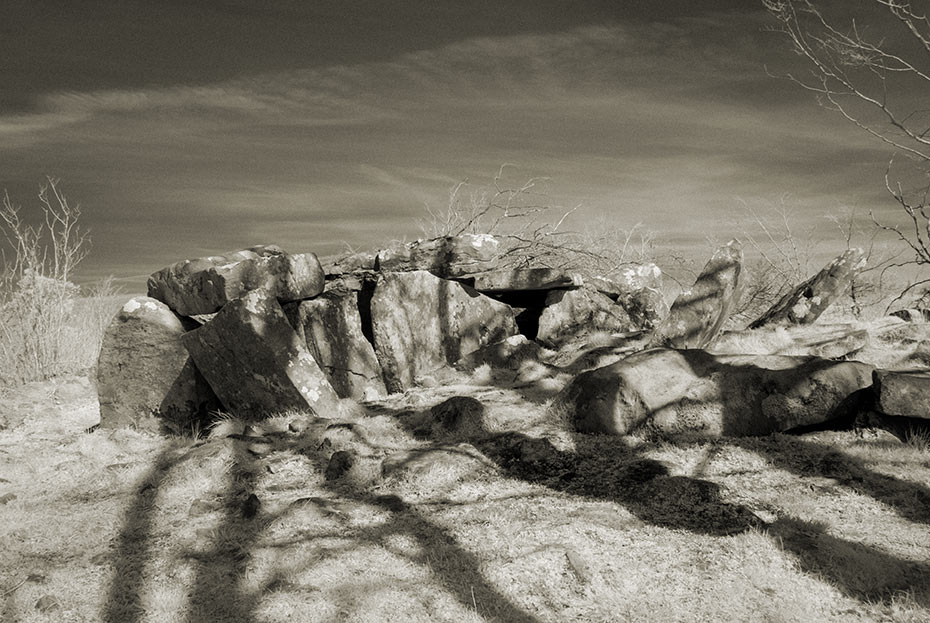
422,323
331,328
697,316
451,256
145,377
583,311
691,393
256,363
809,300
204,285
828,341
903,392
521,279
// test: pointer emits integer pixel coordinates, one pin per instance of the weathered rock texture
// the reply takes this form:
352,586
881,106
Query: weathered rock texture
903,392
256,363
204,285
913,315
452,256
639,290
520,279
421,323
697,316
145,378
806,302
828,341
571,313
692,393
331,328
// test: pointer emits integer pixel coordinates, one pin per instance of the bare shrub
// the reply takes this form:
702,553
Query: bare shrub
532,228
46,329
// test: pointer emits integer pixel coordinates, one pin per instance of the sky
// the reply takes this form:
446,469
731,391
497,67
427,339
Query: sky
193,127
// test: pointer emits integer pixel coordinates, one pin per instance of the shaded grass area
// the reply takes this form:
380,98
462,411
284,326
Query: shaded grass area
523,523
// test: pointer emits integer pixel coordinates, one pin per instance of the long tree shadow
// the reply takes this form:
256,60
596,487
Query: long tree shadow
134,547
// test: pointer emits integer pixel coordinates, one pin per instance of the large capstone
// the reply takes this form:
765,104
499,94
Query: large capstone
145,377
204,285
256,363
450,256
697,316
691,393
421,323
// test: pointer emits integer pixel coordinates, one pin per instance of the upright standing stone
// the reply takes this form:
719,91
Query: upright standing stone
331,327
256,363
806,302
145,378
421,323
698,315
204,285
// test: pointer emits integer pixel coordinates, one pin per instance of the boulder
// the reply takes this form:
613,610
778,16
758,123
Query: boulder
451,256
347,264
145,377
806,302
421,323
692,393
638,289
204,285
582,311
697,315
903,392
460,417
521,279
331,327
256,363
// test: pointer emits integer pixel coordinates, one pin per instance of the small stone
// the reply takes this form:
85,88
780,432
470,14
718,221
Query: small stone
47,603
340,463
8,497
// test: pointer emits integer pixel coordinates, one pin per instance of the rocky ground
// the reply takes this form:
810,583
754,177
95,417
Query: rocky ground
483,508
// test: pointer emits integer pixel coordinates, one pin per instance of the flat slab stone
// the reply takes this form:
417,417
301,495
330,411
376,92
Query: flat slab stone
519,279
331,327
697,316
145,377
204,285
256,363
691,393
904,392
827,341
422,323
452,256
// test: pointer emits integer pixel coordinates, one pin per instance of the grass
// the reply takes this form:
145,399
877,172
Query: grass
528,523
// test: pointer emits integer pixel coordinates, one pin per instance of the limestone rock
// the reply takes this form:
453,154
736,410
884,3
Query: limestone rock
521,279
571,313
806,302
692,393
256,363
460,417
697,316
638,289
331,327
422,323
347,264
451,256
204,285
903,392
145,378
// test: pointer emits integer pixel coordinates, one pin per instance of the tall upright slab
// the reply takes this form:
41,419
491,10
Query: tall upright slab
145,377
697,316
256,363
